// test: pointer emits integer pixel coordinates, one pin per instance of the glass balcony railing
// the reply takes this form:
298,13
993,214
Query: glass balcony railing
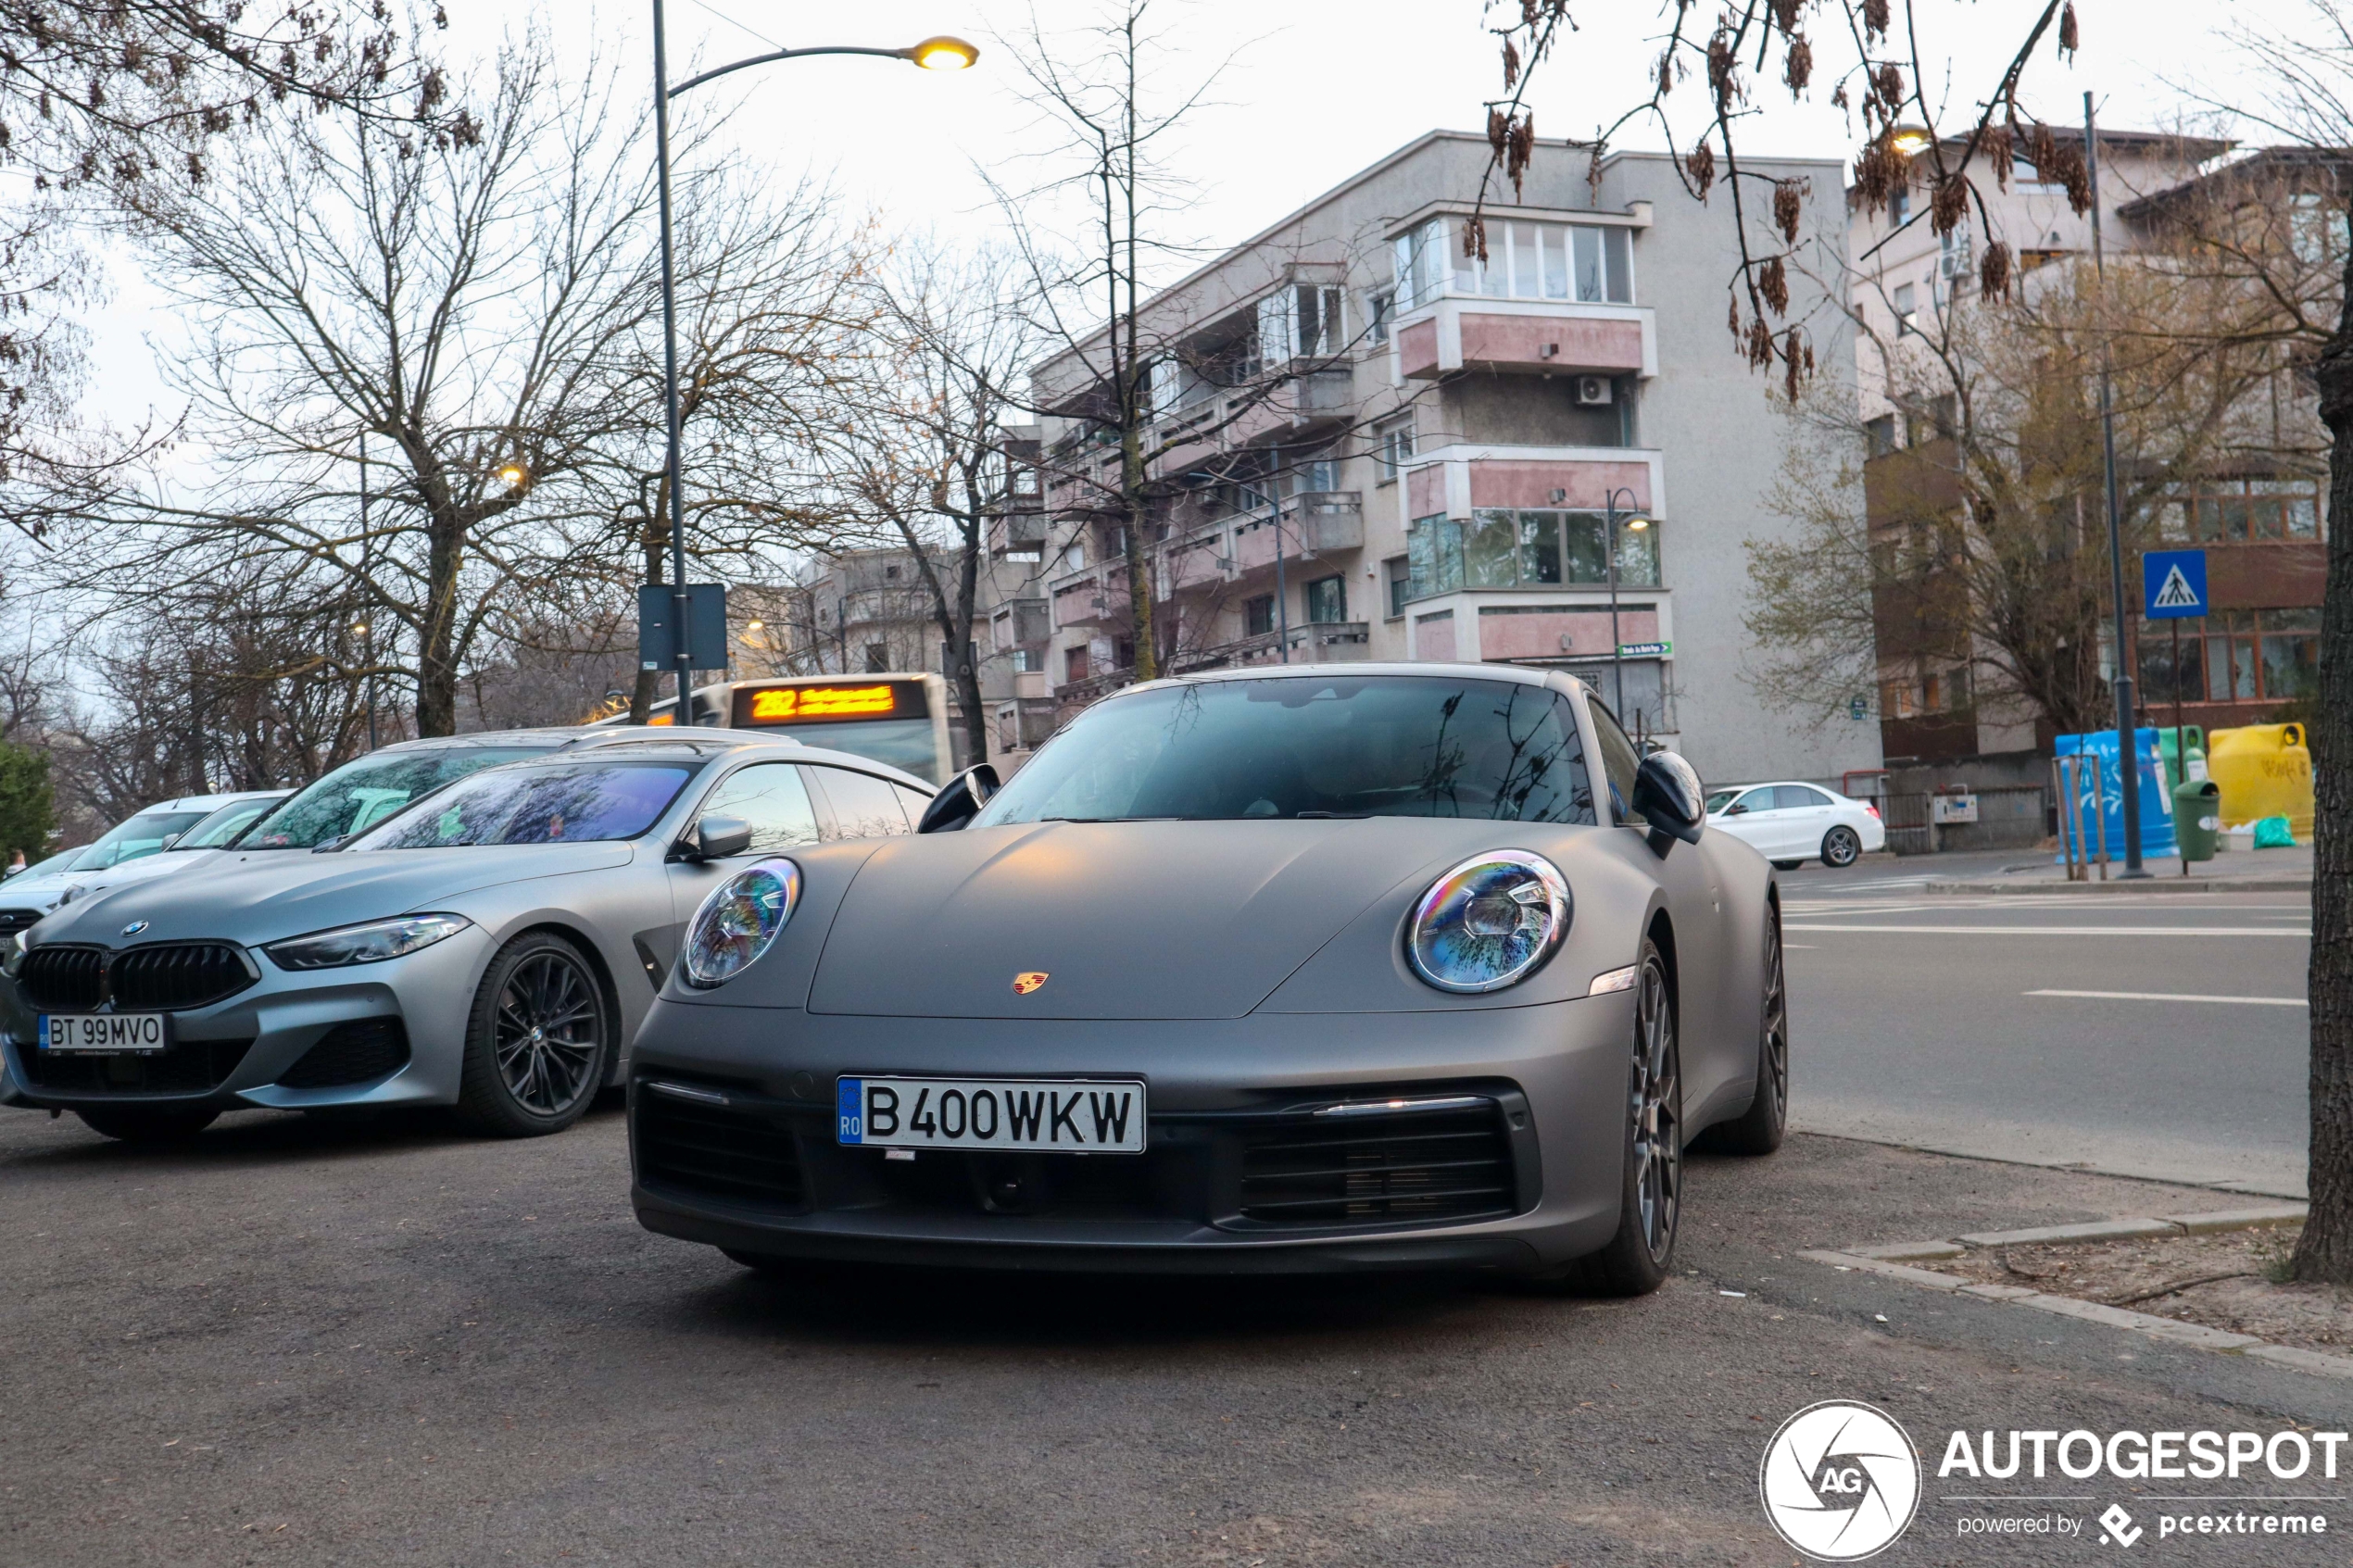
1501,548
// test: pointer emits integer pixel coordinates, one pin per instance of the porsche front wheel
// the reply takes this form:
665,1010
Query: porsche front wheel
1651,1183
1759,1129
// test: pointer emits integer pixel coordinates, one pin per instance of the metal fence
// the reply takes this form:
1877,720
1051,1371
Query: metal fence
2008,816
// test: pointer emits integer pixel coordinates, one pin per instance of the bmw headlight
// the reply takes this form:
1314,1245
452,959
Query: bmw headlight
372,943
739,919
1489,922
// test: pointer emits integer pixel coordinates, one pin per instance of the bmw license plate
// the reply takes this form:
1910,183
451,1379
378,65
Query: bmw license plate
1060,1115
105,1034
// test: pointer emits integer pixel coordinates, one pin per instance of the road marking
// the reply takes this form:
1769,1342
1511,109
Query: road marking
2175,997
2067,930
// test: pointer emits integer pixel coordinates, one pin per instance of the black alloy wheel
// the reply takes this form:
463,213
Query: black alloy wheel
1651,1193
1759,1129
1841,848
538,1041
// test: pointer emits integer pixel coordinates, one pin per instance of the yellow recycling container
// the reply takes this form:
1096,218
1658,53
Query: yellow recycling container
2264,771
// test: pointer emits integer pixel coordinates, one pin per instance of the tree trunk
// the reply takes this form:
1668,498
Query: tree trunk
656,539
2325,1252
436,639
1139,577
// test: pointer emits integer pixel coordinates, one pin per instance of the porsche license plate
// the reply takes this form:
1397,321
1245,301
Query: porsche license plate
1060,1115
105,1034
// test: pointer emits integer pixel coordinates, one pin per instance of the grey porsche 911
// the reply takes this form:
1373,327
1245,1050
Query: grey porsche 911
1382,966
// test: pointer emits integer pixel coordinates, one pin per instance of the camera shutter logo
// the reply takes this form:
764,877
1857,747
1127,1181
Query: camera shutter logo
1840,1481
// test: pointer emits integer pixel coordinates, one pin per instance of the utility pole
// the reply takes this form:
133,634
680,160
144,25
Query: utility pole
2128,768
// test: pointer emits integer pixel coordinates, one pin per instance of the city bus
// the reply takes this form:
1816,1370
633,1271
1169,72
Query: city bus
898,719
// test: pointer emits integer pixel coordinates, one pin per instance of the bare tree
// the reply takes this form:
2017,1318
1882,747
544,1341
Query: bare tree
1874,63
2311,105
444,317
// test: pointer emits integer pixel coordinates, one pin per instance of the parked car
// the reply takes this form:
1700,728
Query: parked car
1320,968
1790,823
157,841
489,944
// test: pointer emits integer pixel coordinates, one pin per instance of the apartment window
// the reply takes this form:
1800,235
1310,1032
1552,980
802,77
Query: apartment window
877,658
1880,434
1302,321
1123,653
1499,548
890,574
2259,509
1025,482
1026,662
1316,478
1075,664
1908,313
2237,656
1591,263
1396,449
1378,308
1326,601
1396,570
1258,615
1899,207
1074,558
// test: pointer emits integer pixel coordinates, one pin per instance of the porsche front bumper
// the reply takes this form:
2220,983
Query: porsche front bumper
1247,1169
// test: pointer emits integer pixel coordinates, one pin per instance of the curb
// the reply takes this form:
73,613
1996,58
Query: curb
2237,1186
2153,885
1887,1261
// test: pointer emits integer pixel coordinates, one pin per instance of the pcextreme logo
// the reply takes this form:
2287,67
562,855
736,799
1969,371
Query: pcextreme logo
1840,1481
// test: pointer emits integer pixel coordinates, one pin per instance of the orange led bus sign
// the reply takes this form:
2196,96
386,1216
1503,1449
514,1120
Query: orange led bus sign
801,705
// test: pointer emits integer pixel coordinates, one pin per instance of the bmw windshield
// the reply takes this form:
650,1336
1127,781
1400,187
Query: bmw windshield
139,837
555,803
1385,745
359,794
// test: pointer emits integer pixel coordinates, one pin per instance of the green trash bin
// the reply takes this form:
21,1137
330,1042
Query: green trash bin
2197,818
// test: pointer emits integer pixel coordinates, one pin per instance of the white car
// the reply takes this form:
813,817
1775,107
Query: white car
157,841
1790,824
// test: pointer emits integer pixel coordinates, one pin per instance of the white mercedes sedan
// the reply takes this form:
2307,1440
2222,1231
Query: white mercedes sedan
1791,823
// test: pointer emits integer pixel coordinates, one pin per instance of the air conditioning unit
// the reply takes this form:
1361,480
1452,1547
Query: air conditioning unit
1550,351
1593,390
1560,498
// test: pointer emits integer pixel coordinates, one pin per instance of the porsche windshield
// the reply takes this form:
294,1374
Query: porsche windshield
555,803
1385,745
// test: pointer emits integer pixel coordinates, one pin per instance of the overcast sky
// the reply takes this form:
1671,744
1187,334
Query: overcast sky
1313,91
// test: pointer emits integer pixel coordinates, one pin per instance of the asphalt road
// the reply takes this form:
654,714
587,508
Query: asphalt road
1916,1017
303,1343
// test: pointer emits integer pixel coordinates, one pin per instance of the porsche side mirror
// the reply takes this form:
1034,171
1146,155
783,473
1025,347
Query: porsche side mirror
718,838
1668,797
960,799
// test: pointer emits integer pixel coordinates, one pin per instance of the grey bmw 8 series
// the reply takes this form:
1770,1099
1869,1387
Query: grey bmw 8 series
1269,970
488,943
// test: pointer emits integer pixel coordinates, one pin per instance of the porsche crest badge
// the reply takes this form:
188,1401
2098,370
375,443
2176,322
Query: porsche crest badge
1029,980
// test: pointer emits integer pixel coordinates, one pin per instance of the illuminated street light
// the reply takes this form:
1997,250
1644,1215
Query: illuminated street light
513,475
944,53
941,53
1908,140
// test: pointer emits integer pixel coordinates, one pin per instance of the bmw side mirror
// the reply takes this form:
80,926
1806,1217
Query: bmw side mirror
1668,797
960,799
717,838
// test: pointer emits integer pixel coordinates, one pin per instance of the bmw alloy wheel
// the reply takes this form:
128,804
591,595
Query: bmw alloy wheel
548,1033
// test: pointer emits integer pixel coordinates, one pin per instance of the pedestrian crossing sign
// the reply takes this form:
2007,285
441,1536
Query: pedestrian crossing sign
2173,583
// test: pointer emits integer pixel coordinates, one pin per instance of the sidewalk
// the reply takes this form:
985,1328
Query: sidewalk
2261,870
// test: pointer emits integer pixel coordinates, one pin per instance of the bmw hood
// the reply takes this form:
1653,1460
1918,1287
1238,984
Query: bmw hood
1125,919
266,895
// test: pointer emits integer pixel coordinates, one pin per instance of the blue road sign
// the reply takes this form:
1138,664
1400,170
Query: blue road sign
2173,583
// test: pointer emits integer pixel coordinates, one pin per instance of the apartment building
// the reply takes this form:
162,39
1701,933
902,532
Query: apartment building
2259,513
1373,448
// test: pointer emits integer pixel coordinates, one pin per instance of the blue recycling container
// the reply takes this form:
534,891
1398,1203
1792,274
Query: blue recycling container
2157,801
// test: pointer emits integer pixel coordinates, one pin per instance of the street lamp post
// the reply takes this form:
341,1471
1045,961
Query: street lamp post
931,54
1636,523
2128,768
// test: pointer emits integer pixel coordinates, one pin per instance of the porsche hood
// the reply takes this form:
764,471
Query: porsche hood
1144,919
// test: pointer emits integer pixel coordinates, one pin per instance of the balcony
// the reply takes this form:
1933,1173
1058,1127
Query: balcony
1332,642
1022,533
1311,401
1524,336
1095,596
1022,623
1313,523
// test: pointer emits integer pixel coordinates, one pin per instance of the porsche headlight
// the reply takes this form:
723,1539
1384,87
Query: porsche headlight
12,955
739,919
372,943
1489,922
